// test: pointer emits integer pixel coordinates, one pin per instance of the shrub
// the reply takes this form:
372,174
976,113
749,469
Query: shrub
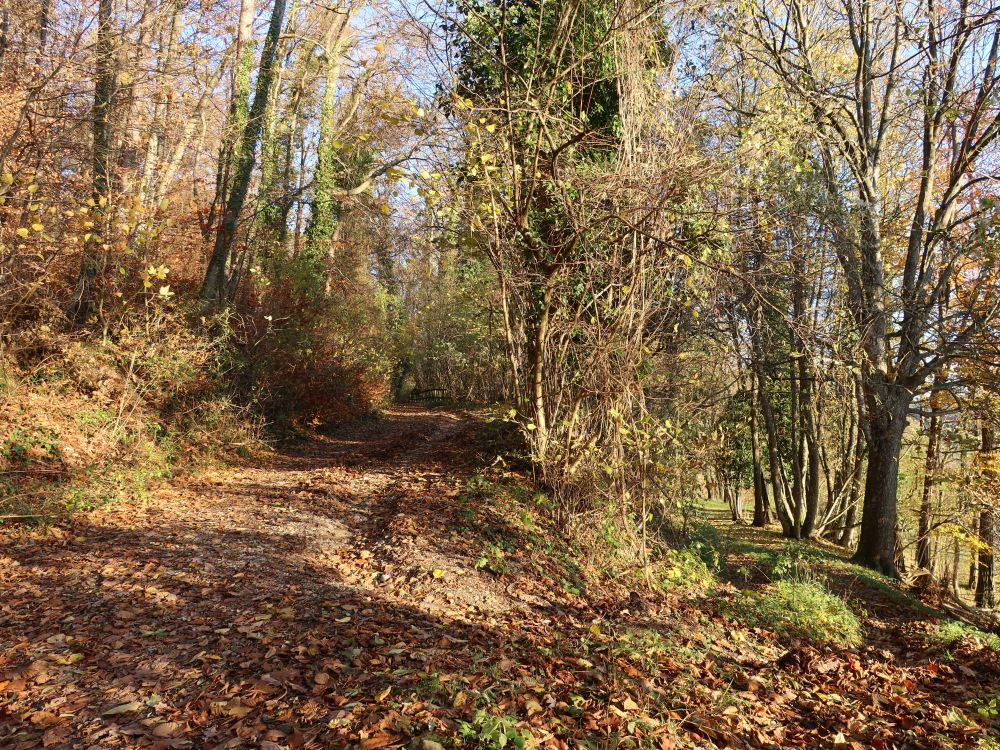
802,610
494,732
797,563
686,569
703,539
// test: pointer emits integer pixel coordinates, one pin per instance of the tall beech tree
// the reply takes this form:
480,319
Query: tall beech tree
105,85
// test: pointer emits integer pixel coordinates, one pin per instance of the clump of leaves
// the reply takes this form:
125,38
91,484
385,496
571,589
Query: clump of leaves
800,609
493,558
704,540
686,569
988,707
25,445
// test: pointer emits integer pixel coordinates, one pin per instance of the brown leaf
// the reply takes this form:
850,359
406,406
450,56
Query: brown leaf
44,718
166,729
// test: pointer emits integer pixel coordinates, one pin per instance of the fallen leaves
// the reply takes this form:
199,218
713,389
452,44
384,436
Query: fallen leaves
123,708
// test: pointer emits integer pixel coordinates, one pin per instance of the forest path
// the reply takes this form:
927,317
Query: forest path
165,622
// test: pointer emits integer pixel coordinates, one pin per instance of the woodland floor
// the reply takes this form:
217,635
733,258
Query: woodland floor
367,589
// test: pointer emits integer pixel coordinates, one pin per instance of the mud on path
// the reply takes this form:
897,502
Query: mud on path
173,622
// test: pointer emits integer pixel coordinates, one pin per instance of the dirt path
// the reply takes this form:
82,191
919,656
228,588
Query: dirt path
268,574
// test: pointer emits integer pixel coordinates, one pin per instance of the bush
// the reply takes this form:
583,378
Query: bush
495,732
686,569
800,609
703,539
797,563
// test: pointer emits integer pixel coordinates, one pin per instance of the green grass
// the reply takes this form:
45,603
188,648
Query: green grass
949,632
685,569
795,560
800,609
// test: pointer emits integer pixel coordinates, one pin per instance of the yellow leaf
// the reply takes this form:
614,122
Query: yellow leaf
437,573
124,708
22,232
37,227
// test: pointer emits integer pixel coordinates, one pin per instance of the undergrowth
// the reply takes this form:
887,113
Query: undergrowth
950,632
799,609
101,420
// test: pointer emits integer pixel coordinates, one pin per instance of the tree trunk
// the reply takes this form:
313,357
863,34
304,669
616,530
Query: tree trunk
811,428
887,407
104,96
539,408
974,559
4,30
774,462
761,516
985,595
956,554
775,468
43,29
213,289
325,212
857,456
168,38
236,117
795,422
924,558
